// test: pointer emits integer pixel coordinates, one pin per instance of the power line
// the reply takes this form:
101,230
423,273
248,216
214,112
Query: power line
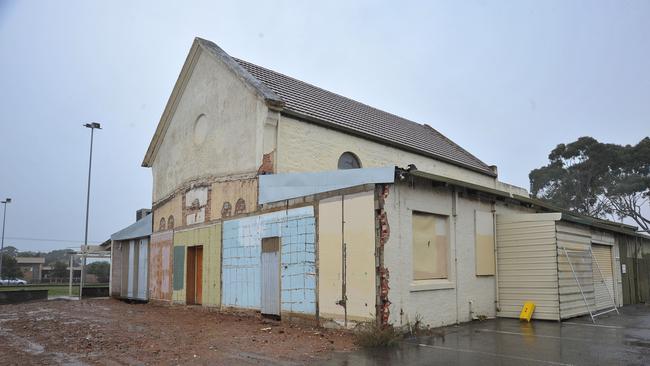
46,239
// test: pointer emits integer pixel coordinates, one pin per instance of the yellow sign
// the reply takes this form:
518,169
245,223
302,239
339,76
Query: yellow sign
527,311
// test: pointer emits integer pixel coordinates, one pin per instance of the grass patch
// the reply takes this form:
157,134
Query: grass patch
52,290
369,335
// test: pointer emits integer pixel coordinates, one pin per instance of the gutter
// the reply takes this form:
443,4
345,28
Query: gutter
566,215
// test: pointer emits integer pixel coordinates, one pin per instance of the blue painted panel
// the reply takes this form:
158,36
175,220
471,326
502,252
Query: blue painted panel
242,259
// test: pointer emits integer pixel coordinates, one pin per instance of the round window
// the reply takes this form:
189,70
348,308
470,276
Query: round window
349,160
200,129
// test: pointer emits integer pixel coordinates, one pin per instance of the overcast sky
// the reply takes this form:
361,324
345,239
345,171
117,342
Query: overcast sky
506,80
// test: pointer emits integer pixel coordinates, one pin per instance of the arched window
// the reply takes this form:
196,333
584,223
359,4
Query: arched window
240,206
349,160
170,222
226,209
162,224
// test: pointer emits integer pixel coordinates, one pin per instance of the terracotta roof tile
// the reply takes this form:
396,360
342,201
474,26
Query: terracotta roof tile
338,111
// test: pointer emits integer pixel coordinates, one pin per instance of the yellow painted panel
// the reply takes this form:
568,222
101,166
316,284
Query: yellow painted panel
330,258
485,264
359,235
231,192
210,238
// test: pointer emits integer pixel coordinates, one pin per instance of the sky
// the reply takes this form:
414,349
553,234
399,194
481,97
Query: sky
507,81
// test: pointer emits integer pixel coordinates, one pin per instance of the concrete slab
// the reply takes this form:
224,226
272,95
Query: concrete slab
614,340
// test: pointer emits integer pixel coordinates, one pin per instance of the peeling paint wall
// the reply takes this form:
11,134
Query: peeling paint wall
231,192
173,207
242,255
210,238
215,130
160,266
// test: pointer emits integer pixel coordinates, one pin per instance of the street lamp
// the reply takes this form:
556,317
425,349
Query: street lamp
92,126
4,219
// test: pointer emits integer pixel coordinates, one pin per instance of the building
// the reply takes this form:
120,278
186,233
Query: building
32,268
274,195
129,250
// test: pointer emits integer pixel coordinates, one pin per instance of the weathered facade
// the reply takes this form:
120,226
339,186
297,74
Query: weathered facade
250,211
130,261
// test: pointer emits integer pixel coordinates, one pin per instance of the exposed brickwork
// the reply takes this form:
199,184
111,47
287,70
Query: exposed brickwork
226,211
240,206
383,231
267,164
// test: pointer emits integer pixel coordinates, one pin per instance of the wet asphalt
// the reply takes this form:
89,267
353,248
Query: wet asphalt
614,340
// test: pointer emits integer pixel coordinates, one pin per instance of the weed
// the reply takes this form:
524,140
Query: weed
369,335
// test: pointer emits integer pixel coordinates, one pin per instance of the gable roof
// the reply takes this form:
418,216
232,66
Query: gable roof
313,104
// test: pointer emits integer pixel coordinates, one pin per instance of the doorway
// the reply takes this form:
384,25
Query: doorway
194,271
271,276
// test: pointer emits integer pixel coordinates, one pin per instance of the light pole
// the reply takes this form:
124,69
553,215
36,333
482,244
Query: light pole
92,126
4,219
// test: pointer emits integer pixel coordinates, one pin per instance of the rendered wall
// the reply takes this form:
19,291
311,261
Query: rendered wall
160,266
210,238
230,129
443,301
242,256
358,233
308,147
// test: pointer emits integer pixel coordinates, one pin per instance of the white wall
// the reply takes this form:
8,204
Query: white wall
437,302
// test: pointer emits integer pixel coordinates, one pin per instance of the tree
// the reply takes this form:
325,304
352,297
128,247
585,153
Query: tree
597,179
10,267
628,184
60,270
99,269
11,250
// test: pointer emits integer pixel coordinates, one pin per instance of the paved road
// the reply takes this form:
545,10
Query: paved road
615,340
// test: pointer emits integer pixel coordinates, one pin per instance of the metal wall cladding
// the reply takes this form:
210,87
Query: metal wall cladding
160,263
527,265
242,259
577,241
603,276
133,268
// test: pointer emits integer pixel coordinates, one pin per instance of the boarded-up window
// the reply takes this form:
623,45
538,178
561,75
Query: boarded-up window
430,246
179,267
484,232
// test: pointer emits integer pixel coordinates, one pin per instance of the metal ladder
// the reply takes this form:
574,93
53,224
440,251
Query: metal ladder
602,280
584,298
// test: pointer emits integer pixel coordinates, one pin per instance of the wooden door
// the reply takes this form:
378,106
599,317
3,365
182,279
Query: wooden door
270,276
190,275
198,279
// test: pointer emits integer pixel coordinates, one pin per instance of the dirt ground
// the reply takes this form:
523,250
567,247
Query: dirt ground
110,332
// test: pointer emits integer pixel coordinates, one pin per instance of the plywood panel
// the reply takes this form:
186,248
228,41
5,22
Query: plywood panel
359,235
527,265
330,254
484,235
143,269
